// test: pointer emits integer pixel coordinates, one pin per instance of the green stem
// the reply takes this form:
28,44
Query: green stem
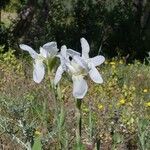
79,123
53,89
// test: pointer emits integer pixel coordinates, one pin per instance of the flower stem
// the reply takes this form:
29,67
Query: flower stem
79,123
58,114
53,89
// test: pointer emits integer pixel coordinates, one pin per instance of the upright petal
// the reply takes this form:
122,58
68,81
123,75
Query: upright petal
95,75
29,49
58,74
43,52
39,71
79,60
51,48
64,52
85,48
72,52
80,87
97,60
50,44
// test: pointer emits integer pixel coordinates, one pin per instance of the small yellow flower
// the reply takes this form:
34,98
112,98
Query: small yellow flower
113,66
122,102
121,62
100,106
112,63
147,104
37,133
145,90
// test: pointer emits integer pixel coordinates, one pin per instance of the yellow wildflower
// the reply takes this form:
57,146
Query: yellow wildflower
112,63
147,104
100,106
122,102
121,62
113,66
37,133
145,90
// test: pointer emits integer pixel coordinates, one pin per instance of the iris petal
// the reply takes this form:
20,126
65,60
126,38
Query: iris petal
39,71
58,74
43,52
95,75
80,87
72,52
51,48
97,60
85,48
27,48
64,52
79,60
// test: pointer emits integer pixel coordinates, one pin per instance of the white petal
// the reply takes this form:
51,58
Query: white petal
43,52
64,52
72,52
80,87
29,49
85,48
98,60
80,61
71,68
58,74
51,48
50,44
95,75
39,71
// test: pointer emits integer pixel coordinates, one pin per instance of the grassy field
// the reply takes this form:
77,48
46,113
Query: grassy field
115,114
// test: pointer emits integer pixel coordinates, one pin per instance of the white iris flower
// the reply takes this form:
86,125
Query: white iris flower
90,64
48,50
75,70
79,67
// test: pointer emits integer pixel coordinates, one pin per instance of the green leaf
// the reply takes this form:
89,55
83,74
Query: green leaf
37,144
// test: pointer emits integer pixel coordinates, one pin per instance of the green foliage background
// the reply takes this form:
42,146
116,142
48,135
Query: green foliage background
113,27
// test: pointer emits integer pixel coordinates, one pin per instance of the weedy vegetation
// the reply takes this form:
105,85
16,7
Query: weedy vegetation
113,115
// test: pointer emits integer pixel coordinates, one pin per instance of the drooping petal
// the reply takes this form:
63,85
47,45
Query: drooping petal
58,74
85,48
97,60
39,71
27,48
95,75
80,87
72,52
51,48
